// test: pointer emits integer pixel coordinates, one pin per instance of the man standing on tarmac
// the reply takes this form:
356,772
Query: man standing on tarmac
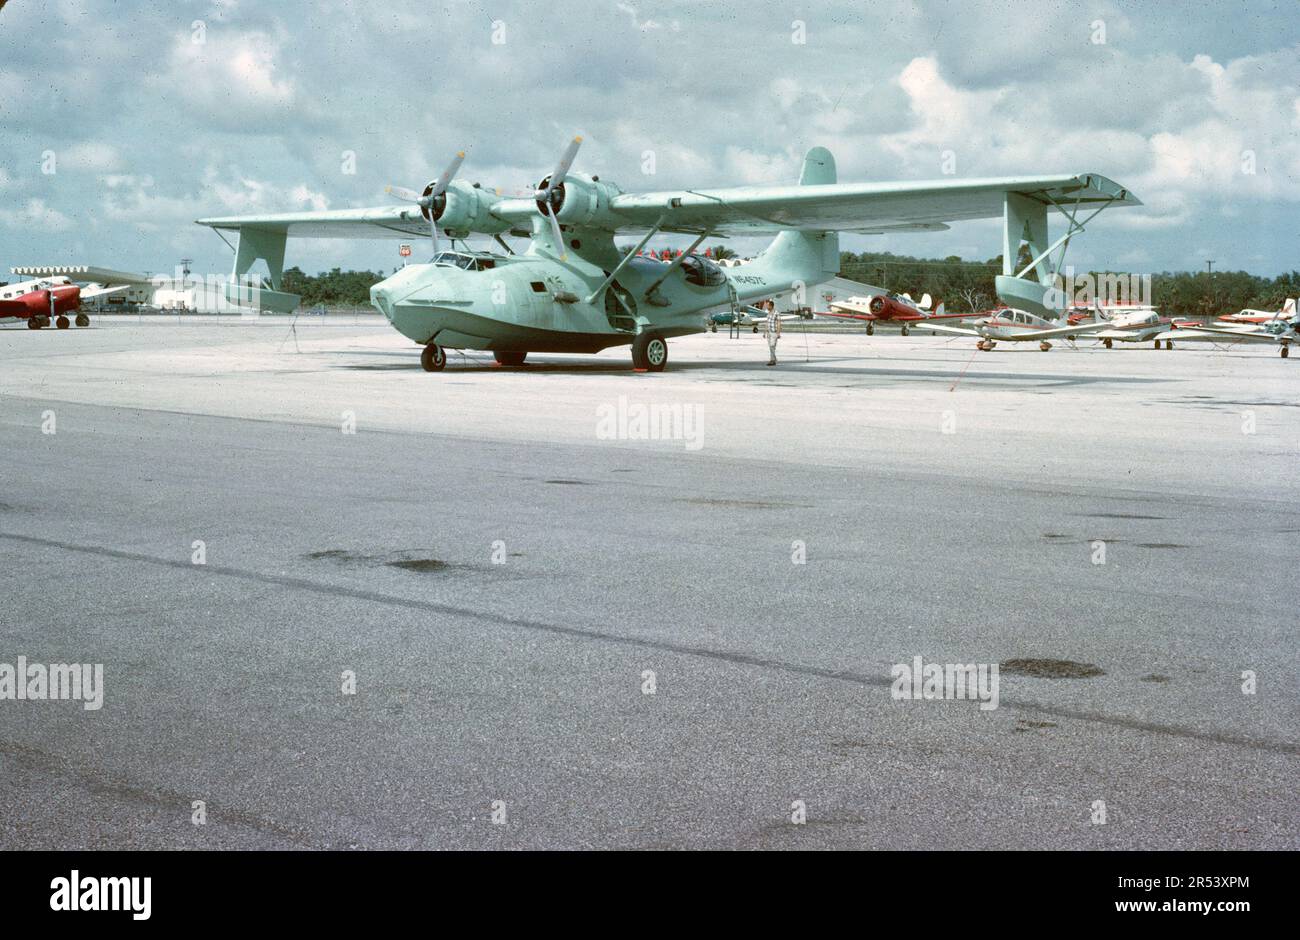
772,330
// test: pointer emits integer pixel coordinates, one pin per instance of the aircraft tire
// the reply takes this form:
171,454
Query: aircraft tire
433,358
649,352
1286,351
62,323
514,358
755,327
713,327
905,331
82,320
33,323
1109,344
871,329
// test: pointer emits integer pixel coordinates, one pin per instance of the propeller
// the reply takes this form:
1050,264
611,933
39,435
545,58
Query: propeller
427,200
553,184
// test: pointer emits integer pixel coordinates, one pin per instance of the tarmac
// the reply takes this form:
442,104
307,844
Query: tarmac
343,603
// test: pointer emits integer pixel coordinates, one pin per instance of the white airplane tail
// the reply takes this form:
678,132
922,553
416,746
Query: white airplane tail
1288,308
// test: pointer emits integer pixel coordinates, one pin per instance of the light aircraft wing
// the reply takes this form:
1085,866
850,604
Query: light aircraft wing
89,293
1084,329
943,328
1220,335
868,208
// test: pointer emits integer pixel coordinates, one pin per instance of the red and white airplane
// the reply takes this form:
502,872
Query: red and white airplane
896,308
48,299
1258,317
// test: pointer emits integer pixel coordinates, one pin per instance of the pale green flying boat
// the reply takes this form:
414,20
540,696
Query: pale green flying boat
574,291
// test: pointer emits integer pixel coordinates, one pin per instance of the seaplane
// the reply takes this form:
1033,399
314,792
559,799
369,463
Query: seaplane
573,290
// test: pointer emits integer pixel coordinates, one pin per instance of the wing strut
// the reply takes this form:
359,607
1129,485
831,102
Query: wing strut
654,230
677,263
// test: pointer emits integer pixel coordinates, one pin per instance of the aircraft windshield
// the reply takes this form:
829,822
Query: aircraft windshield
465,262
700,270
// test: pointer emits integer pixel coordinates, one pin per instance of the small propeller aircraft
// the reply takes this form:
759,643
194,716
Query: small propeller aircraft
45,300
574,290
1259,317
1017,326
1282,333
897,308
1124,323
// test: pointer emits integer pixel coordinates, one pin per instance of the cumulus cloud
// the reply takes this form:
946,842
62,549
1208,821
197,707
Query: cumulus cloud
35,217
1200,116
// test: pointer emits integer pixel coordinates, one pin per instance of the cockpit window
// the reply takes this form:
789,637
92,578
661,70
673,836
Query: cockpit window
702,272
463,261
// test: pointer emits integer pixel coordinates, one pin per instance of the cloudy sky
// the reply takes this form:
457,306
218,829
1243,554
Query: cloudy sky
151,115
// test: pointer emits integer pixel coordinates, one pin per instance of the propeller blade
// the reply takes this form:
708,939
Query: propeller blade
561,168
433,234
559,236
401,192
441,186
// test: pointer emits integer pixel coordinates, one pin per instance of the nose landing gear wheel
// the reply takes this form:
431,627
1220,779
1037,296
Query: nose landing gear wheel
649,353
510,358
62,323
433,358
82,320
1045,346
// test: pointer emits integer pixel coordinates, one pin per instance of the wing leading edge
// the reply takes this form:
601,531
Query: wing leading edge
863,208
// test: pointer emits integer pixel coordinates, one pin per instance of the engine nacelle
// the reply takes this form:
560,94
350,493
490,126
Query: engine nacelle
886,308
465,208
582,200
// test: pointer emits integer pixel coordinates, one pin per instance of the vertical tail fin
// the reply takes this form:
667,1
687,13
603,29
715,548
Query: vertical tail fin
795,258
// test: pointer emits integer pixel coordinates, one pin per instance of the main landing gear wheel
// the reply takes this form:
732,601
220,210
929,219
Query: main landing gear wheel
905,330
433,358
33,323
62,323
1286,351
871,329
1157,343
755,327
510,358
713,327
82,320
1045,346
1108,343
649,353
1169,344
985,345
